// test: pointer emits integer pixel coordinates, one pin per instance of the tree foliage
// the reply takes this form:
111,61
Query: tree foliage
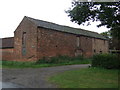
108,13
107,34
113,42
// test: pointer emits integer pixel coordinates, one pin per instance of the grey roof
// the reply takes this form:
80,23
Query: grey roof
66,29
7,42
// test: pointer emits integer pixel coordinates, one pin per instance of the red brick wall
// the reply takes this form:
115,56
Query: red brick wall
31,37
52,43
86,46
7,54
99,45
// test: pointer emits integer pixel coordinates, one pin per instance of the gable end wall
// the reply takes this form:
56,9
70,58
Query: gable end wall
31,41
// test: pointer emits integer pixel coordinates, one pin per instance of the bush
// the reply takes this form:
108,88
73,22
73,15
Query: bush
108,61
59,59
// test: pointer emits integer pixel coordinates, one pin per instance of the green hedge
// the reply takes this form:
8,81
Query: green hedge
59,59
108,61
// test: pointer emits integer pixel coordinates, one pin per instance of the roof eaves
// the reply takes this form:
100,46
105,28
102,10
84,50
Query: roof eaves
67,29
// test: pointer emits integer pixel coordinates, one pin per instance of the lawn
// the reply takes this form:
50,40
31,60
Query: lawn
86,78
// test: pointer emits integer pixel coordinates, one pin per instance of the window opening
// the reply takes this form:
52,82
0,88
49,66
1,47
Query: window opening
24,43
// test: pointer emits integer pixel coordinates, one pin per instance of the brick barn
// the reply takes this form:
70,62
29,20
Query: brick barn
35,39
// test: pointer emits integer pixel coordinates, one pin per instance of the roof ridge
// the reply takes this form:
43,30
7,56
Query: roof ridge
64,28
61,25
43,21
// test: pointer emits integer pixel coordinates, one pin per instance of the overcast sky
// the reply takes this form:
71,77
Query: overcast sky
13,11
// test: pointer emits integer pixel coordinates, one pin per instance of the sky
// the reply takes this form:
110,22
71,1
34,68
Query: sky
13,11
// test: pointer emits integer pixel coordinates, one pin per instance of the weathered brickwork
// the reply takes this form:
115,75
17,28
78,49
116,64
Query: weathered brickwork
86,46
7,54
99,46
54,43
30,41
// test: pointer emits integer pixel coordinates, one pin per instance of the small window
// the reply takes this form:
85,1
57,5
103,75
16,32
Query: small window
24,38
94,51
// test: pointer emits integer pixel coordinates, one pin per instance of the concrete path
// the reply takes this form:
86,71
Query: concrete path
9,85
35,78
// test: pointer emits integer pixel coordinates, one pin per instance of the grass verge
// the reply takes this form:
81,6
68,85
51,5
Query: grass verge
0,64
16,64
86,78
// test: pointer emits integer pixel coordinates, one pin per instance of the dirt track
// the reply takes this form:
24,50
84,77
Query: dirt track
35,78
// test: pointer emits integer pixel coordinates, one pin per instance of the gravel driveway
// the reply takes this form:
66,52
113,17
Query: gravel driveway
35,78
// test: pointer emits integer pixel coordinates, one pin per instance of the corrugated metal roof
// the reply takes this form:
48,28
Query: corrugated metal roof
7,42
67,29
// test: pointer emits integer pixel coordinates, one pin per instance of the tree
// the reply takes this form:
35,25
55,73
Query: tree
113,42
108,13
107,34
